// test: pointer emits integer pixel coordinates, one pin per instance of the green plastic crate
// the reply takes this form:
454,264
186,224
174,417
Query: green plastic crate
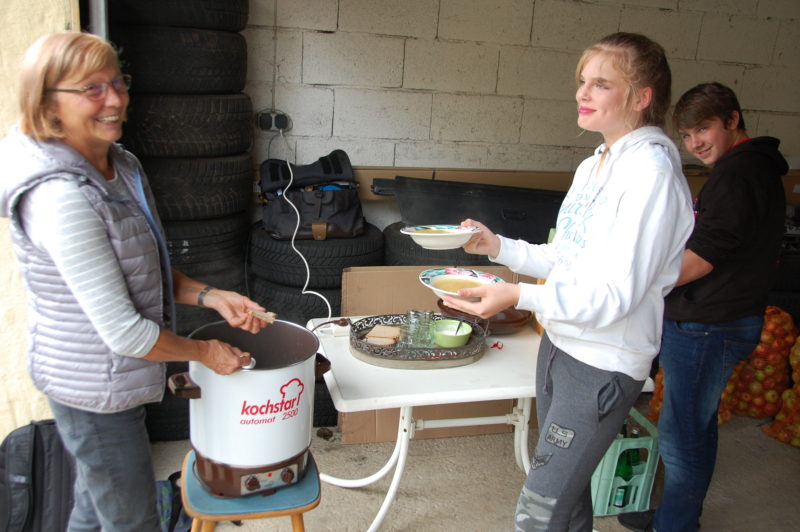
640,486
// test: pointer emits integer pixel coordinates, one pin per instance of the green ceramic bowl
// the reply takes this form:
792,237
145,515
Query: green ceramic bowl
444,333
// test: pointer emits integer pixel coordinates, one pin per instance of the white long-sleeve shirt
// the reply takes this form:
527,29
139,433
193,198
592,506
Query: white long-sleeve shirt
617,252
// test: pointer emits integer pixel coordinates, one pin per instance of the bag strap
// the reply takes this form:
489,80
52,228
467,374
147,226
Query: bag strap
177,501
19,465
274,173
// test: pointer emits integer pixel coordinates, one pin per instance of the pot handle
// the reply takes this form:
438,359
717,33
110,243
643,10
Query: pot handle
181,385
322,365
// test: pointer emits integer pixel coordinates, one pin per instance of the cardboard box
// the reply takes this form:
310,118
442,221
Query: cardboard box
374,290
791,184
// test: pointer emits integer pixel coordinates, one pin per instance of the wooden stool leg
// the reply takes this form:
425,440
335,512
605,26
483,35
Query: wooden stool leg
198,525
297,523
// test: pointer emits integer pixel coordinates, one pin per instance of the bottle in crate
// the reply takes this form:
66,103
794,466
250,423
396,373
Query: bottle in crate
623,480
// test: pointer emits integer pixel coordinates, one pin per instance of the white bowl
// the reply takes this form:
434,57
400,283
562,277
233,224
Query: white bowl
438,279
440,236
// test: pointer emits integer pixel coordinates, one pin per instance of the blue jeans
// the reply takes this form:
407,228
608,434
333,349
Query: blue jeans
115,486
698,359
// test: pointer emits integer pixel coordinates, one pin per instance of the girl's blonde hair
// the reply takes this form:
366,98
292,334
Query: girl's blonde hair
642,63
48,61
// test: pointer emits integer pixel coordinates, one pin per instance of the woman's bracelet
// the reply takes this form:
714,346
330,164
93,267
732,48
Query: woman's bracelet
202,295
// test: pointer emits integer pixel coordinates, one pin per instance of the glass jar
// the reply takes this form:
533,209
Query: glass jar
416,331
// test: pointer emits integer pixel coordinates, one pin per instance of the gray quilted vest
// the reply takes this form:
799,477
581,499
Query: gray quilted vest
68,361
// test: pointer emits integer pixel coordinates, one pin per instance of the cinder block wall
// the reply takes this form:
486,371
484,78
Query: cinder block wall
490,83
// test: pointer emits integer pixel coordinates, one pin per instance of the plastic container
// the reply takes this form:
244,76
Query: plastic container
608,489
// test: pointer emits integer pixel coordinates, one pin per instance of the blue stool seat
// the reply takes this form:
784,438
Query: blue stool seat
206,509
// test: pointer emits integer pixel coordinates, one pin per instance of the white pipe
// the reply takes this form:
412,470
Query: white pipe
421,424
98,18
403,435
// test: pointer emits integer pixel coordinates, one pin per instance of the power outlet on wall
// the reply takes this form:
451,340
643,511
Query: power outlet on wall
271,120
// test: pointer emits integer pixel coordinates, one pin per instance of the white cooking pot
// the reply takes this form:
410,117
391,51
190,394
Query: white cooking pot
256,419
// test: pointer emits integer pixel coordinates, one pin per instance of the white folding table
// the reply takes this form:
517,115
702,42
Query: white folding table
507,370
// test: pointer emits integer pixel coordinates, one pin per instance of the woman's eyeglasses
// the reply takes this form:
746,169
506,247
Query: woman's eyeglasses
98,91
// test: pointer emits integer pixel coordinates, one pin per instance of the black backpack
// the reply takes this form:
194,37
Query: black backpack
36,480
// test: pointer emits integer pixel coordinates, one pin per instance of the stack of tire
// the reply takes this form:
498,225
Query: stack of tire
279,280
192,127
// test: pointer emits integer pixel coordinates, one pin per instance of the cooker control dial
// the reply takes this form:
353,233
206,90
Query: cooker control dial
252,483
287,475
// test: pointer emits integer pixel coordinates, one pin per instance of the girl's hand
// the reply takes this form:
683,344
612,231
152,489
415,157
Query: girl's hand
483,243
494,298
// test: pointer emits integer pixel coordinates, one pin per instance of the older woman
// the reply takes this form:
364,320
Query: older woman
101,290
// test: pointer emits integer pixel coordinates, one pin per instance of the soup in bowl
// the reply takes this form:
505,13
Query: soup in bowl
448,281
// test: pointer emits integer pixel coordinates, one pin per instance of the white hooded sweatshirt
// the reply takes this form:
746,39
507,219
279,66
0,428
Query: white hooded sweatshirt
616,253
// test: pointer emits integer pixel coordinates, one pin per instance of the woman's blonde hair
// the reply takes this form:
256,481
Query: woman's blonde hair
48,61
642,63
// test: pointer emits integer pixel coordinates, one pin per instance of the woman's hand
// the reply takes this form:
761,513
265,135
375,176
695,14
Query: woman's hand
233,307
483,243
222,358
494,298
218,356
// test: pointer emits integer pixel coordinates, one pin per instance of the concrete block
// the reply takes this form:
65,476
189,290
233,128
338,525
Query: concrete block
410,18
352,59
449,66
499,21
781,126
537,73
309,108
526,157
787,53
380,114
261,13
770,89
721,7
289,56
476,118
784,9
572,25
553,123
687,74
441,155
260,53
260,93
362,152
307,14
734,38
676,31
267,146
580,154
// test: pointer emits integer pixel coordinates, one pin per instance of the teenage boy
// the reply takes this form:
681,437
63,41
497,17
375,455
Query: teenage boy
713,317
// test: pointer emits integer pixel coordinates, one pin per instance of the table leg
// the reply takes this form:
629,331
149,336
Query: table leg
397,460
521,432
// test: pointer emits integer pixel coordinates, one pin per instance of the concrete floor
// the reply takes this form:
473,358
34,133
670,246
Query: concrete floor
472,483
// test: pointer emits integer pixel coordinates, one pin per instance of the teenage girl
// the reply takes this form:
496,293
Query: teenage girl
616,253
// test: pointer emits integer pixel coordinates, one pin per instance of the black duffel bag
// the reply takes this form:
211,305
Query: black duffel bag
325,194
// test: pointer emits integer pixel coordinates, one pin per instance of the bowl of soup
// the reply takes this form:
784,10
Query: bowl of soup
448,281
440,236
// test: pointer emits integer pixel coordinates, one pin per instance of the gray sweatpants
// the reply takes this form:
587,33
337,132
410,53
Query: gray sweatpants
579,409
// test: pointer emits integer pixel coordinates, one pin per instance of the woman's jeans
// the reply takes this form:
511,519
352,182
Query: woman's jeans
115,483
698,359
